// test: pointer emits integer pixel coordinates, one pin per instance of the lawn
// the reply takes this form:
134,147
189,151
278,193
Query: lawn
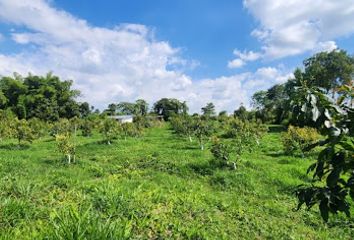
159,186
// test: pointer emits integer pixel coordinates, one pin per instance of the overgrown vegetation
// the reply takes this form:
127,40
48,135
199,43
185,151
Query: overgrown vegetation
298,139
154,181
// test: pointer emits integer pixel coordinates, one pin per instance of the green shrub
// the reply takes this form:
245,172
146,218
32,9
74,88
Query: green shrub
62,126
221,152
110,129
183,126
299,139
38,127
66,146
245,133
22,131
6,124
87,127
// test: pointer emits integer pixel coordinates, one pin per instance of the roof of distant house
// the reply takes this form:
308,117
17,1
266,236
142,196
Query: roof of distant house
121,117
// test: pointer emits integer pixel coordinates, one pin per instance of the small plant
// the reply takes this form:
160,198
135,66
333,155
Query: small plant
130,130
38,127
221,152
183,126
87,126
250,131
202,130
75,124
6,124
22,132
110,130
299,139
62,126
66,147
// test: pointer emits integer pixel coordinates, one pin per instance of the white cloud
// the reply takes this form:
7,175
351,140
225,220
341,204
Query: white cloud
236,63
293,27
242,58
266,77
325,46
116,64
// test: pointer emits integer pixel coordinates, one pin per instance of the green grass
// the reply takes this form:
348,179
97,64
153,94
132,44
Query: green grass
156,187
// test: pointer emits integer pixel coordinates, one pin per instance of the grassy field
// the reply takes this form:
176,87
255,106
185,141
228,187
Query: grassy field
156,187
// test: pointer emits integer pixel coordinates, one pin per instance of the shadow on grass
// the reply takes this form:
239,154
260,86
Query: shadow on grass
277,154
276,129
13,146
203,169
188,147
284,188
49,140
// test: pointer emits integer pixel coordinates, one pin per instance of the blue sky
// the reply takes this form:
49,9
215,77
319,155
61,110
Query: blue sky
198,51
206,30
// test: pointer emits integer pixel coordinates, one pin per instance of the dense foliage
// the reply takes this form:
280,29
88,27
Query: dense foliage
329,71
44,97
168,107
299,139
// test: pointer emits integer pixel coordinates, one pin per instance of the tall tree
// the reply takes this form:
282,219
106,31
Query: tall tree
44,97
329,70
167,107
142,107
209,110
126,108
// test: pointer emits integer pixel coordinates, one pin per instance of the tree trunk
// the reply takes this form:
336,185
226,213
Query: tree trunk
69,158
190,139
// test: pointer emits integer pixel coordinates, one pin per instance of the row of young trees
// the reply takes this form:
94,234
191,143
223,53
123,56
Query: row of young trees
230,136
65,130
319,100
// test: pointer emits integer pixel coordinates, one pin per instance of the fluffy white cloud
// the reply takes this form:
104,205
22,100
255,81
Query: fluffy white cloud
242,58
115,64
236,63
293,27
266,77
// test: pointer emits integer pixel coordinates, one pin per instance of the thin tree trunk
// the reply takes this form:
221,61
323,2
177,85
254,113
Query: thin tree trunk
69,158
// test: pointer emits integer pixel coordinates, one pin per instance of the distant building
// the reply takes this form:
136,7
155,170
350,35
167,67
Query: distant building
123,118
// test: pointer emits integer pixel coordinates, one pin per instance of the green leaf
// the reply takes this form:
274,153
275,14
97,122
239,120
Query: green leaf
324,210
315,114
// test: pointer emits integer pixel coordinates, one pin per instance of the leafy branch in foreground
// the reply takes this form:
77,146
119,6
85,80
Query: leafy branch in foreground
333,172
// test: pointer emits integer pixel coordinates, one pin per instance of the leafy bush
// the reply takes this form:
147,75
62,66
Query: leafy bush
202,130
22,131
66,146
221,152
299,139
6,122
130,130
87,126
183,126
251,131
110,129
62,126
38,127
